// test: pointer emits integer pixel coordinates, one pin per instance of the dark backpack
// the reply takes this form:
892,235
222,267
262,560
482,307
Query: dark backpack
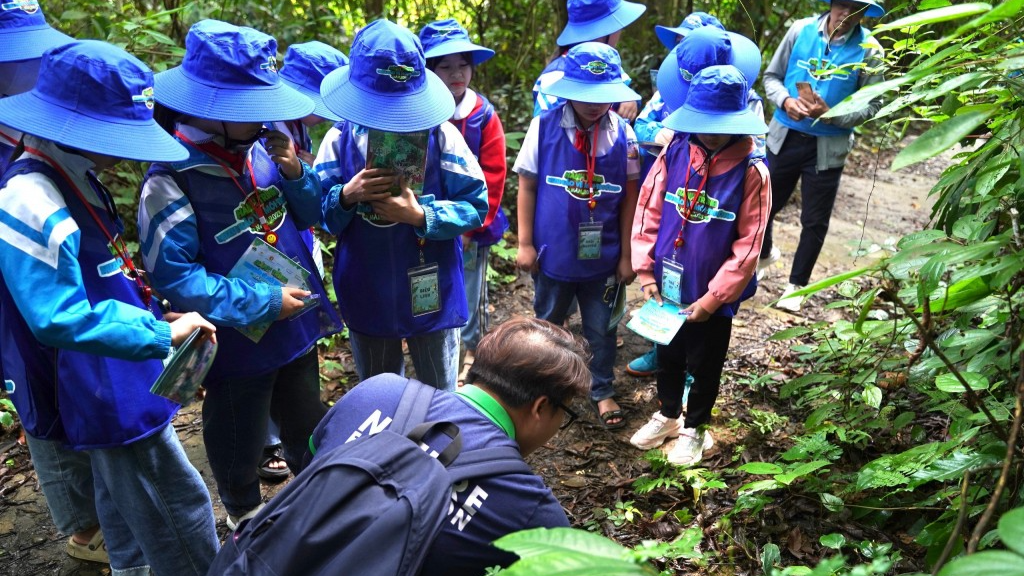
372,506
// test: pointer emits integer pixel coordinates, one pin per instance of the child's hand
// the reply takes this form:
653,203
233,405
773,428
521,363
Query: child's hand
694,313
624,273
628,110
651,291
526,258
291,301
185,324
368,185
306,157
404,208
282,152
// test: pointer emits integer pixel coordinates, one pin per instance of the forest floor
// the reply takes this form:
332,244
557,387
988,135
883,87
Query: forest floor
589,468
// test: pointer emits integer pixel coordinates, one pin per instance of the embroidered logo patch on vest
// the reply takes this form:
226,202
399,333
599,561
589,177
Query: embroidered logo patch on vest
246,219
115,266
596,67
26,6
823,70
575,183
399,72
706,209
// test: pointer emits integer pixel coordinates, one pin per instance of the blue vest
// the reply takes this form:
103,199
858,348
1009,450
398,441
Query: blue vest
103,402
372,260
806,63
472,128
226,229
711,230
562,202
5,155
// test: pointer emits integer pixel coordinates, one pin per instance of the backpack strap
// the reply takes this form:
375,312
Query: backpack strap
419,433
494,461
412,408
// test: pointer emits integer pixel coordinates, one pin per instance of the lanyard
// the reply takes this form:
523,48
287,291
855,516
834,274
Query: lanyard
257,204
117,243
489,407
590,157
690,205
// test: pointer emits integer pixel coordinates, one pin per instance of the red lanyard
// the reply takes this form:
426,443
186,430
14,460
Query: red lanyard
590,156
689,206
257,205
117,243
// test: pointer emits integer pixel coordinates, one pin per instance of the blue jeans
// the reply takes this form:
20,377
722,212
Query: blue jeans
235,425
551,301
66,479
435,356
476,298
154,508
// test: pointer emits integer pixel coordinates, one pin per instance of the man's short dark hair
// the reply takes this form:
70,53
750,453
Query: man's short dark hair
526,358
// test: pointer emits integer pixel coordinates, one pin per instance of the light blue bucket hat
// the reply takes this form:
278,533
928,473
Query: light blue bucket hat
672,36
24,33
703,47
717,104
875,8
593,74
593,19
305,67
446,37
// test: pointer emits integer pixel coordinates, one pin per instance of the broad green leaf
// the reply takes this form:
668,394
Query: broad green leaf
922,238
1011,530
991,173
949,383
872,396
758,486
761,468
831,502
73,15
6,420
770,557
538,541
952,466
988,563
943,136
790,333
958,295
937,15
834,541
829,282
576,564
800,471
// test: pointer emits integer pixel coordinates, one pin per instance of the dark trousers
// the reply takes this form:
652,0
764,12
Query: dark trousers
796,160
698,349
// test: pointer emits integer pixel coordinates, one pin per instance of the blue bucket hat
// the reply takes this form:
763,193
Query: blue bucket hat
446,37
95,97
671,36
875,8
229,73
717,104
703,47
306,65
593,74
387,85
593,19
24,33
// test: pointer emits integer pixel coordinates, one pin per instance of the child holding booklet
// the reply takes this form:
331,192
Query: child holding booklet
233,201
578,175
699,226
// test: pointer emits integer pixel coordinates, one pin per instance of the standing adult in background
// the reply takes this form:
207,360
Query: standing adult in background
828,53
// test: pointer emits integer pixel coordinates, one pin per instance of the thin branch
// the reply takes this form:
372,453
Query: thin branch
997,493
958,529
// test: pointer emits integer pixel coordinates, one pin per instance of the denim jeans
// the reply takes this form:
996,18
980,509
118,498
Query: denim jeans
154,508
476,298
235,425
65,476
551,301
435,356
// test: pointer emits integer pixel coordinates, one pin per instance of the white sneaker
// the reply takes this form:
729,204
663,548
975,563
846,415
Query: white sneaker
655,432
763,264
690,448
790,303
233,522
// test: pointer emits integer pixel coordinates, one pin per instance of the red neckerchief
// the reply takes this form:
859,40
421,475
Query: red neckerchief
234,160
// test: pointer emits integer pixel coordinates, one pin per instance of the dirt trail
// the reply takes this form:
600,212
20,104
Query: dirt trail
587,467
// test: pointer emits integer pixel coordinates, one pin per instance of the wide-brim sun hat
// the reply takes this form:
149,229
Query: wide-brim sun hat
446,37
705,46
305,67
229,73
874,10
593,74
595,19
717,104
672,36
386,85
24,33
95,97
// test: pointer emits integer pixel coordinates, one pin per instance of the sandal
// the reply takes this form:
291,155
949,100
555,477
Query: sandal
266,469
605,417
467,363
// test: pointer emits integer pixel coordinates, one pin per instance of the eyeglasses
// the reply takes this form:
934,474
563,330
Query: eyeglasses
570,415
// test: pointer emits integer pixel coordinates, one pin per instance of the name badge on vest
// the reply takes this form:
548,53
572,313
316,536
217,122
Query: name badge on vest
469,256
672,280
424,289
589,246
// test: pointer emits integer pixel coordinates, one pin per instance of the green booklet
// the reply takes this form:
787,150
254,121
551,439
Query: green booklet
185,369
403,152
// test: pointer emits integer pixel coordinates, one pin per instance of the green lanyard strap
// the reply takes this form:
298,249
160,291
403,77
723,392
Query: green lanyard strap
489,407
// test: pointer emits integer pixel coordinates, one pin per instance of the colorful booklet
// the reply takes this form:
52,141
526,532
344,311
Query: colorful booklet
658,323
618,306
261,263
403,152
185,369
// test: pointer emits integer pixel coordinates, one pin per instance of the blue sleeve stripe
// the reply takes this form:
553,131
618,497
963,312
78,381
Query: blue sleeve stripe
323,168
454,159
156,223
42,247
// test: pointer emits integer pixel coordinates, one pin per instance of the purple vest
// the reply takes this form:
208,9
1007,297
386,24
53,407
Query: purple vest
472,128
711,229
